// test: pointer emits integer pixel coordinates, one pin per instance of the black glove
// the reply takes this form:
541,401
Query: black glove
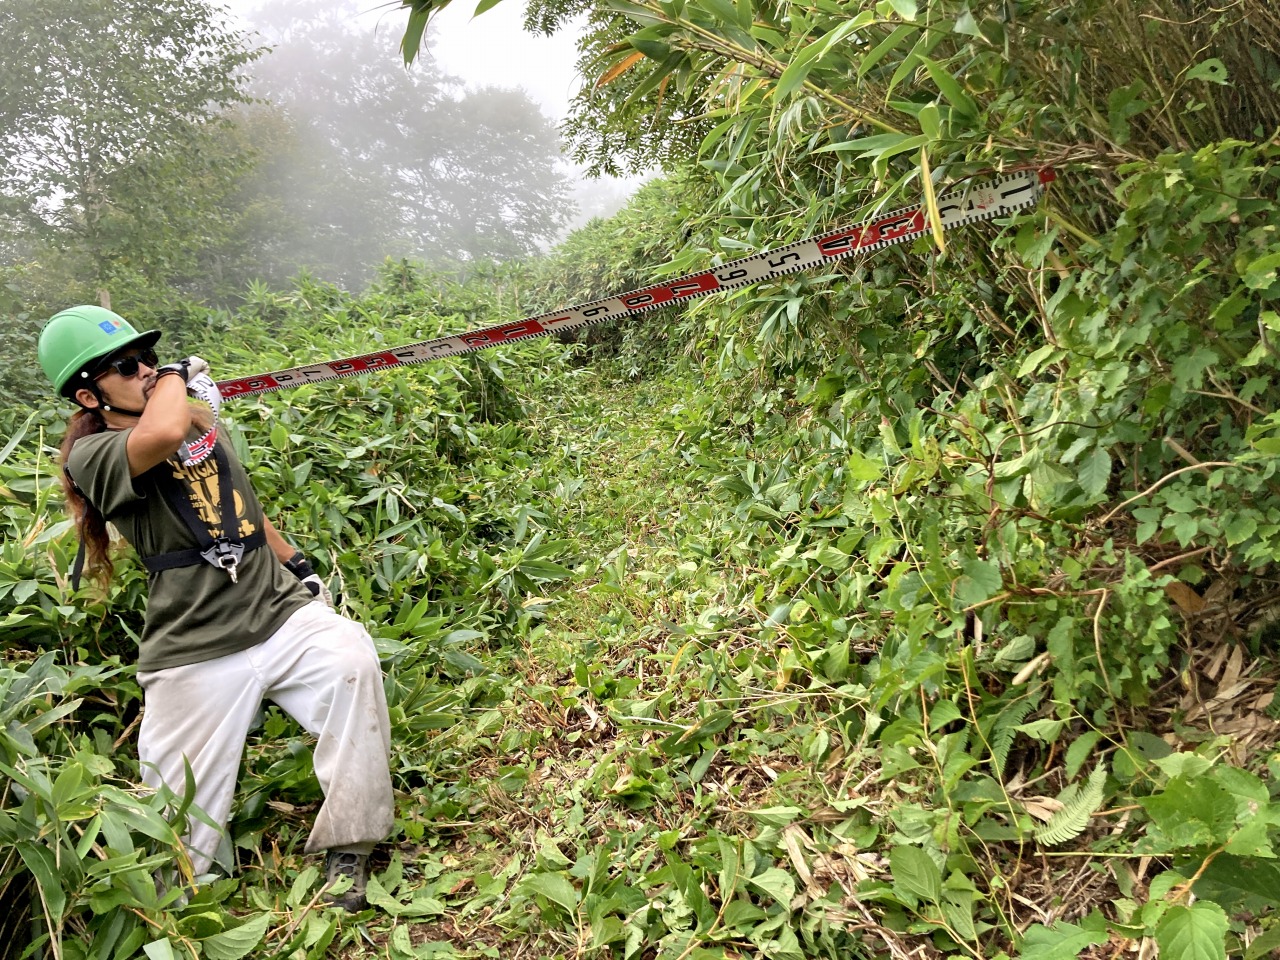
186,369
301,568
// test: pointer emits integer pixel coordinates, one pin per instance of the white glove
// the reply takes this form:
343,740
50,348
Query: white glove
187,369
195,367
301,568
320,593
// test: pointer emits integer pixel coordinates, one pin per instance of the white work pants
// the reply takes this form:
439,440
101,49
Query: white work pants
322,670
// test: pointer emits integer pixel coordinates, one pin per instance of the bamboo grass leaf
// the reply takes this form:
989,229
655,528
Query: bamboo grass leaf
950,88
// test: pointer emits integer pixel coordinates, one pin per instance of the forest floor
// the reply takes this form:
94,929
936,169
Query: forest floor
555,769
640,778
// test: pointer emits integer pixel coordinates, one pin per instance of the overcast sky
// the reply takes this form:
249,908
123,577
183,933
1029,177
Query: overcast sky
494,48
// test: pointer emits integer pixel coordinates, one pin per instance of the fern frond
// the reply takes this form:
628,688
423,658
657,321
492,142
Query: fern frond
1079,804
1003,733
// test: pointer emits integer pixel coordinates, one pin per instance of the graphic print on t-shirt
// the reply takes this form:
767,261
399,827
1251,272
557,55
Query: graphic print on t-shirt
200,481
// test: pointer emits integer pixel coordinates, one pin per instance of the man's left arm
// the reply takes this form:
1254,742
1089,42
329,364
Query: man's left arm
296,563
281,547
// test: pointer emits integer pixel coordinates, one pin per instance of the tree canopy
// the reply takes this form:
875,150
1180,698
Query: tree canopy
107,112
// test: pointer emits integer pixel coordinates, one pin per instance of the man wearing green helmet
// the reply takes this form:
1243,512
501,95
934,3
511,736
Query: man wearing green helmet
235,614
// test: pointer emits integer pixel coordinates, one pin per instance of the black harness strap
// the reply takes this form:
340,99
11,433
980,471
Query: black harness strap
194,556
223,552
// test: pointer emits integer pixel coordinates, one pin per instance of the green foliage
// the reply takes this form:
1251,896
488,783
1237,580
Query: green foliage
78,841
415,519
926,608
106,126
975,508
605,257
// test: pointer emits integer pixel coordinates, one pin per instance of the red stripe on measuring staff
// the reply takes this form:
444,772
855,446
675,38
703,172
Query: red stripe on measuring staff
233,388
892,227
371,361
504,334
691,286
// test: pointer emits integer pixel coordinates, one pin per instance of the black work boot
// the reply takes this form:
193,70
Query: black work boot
339,864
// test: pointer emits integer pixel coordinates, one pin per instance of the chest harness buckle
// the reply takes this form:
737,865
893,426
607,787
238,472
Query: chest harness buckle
222,552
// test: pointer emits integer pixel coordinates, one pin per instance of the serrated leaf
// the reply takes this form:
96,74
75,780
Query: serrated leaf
980,580
238,941
1188,766
944,712
863,469
554,887
1197,932
915,873
1062,941
1240,528
690,887
1190,813
422,906
1095,472
777,883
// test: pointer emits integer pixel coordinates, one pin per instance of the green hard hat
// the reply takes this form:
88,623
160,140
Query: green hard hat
74,343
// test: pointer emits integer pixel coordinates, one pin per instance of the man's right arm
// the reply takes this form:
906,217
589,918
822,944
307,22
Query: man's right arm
162,428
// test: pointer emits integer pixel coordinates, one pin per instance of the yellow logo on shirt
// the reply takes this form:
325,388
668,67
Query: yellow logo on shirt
201,482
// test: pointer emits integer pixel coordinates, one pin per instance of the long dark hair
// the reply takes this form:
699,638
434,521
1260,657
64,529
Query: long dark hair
91,525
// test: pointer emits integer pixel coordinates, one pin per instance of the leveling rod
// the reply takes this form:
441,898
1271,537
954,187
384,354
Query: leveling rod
968,204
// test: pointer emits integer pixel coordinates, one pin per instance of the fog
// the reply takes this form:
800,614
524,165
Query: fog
454,158
162,149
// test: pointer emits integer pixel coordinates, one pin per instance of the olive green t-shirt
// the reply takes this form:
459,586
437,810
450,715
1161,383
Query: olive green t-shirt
193,613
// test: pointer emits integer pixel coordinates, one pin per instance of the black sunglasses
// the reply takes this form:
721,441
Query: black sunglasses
128,366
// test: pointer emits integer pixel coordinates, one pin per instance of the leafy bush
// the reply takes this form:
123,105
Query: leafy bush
406,494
